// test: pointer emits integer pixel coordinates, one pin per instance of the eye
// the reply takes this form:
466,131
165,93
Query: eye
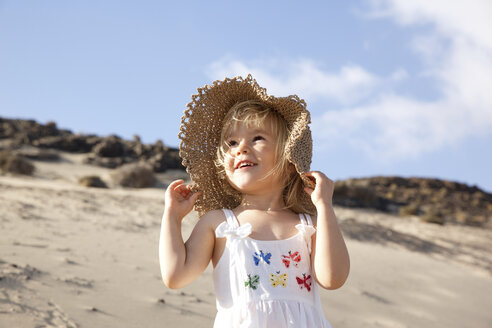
232,143
256,138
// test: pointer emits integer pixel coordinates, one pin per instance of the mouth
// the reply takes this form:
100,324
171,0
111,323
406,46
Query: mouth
244,164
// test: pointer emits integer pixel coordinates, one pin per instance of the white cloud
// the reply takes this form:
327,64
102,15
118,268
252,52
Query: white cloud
430,47
305,78
457,49
469,19
392,128
399,75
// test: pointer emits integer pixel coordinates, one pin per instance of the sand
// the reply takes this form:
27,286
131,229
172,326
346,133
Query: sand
72,256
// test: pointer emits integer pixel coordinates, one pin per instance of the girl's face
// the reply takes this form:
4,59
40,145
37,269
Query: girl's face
251,157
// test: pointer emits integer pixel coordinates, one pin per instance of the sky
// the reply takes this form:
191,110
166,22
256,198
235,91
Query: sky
394,87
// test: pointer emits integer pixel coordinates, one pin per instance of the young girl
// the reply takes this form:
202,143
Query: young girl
267,222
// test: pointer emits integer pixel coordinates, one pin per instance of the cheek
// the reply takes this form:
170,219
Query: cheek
268,154
229,163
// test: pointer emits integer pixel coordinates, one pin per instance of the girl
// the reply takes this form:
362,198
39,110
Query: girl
248,155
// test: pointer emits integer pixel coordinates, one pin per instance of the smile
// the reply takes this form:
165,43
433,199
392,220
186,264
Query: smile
244,164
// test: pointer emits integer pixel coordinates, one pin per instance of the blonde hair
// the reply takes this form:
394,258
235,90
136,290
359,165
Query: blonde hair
256,114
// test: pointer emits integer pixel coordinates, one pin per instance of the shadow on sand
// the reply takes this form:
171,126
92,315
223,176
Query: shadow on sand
374,233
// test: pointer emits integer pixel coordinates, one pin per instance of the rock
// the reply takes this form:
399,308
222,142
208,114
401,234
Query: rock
111,147
159,147
436,201
354,194
169,160
70,143
13,163
111,151
92,181
135,175
410,209
39,154
27,130
433,217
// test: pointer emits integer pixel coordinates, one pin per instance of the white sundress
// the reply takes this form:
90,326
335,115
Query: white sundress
266,283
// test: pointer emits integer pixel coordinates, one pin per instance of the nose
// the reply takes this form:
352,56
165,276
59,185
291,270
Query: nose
242,149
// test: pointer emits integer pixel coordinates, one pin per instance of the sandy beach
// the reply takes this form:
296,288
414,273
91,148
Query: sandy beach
72,256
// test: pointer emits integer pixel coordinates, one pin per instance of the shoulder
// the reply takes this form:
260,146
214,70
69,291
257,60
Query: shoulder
212,219
314,219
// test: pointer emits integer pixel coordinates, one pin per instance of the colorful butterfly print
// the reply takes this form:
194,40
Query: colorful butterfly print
279,279
266,257
295,258
252,282
304,282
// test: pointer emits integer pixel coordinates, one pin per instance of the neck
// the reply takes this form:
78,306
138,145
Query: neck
271,202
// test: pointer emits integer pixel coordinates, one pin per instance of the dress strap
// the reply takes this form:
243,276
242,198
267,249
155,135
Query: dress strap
308,217
307,228
231,218
305,219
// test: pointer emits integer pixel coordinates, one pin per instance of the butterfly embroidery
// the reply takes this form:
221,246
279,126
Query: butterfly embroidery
252,282
304,282
279,279
266,257
294,258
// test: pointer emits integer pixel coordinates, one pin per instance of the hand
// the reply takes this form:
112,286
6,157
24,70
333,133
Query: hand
322,193
179,199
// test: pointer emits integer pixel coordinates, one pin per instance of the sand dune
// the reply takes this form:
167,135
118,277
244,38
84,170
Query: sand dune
72,256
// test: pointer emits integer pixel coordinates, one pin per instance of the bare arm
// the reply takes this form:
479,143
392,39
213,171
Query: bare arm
181,263
329,256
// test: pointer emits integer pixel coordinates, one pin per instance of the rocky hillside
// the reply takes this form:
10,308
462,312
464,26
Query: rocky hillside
433,200
20,135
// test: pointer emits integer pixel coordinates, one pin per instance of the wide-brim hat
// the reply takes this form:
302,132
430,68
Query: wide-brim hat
201,127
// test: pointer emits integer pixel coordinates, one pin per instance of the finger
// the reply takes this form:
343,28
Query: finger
311,177
195,196
314,174
308,190
310,181
183,193
175,183
317,176
188,190
181,187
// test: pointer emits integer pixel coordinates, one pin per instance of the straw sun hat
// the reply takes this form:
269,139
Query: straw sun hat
201,127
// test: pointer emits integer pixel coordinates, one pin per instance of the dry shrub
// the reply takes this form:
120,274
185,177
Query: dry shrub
135,175
410,209
39,154
13,163
92,181
433,217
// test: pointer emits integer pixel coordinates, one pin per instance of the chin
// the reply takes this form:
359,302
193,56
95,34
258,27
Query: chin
242,186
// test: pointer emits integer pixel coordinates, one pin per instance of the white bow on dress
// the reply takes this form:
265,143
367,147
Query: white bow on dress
226,230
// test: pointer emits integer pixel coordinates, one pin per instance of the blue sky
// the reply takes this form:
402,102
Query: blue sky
394,87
